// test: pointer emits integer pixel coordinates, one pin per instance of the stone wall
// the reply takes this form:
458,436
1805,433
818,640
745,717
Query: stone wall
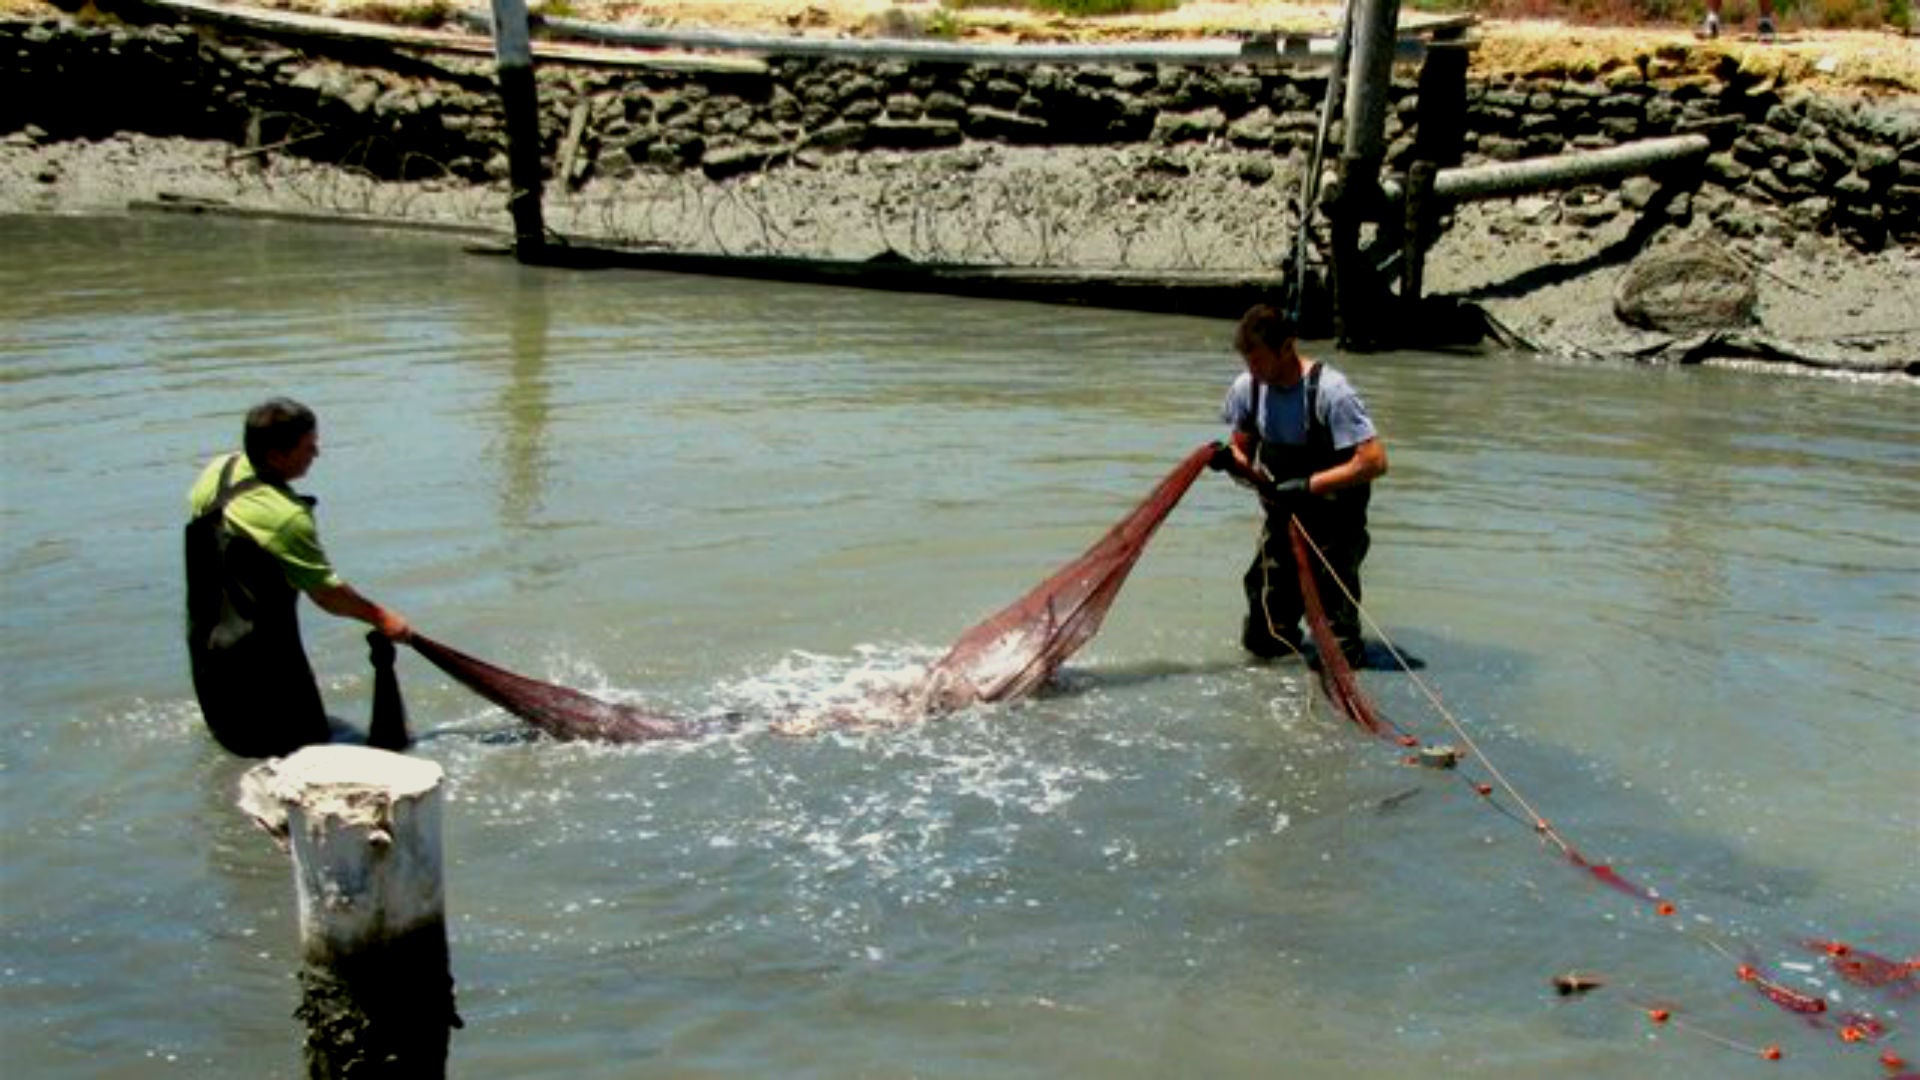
1783,160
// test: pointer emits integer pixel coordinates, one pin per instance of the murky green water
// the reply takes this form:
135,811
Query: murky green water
1679,610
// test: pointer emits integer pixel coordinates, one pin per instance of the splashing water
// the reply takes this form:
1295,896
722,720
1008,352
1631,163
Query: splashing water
1010,655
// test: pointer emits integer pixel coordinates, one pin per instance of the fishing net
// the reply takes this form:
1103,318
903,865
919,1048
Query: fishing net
1686,287
1014,652
1009,655
556,710
1336,675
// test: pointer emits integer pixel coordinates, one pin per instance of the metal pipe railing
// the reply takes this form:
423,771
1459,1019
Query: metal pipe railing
1502,179
1280,50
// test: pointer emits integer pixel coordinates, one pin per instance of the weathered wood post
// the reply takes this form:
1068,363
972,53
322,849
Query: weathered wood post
1440,116
1439,141
1376,28
1417,234
1357,290
513,48
363,826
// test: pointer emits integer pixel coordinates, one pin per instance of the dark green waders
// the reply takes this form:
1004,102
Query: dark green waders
1337,525
250,671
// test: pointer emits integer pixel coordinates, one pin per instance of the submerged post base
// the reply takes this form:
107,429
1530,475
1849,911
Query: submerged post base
363,826
387,1012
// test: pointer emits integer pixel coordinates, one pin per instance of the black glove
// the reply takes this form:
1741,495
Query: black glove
1222,458
1283,496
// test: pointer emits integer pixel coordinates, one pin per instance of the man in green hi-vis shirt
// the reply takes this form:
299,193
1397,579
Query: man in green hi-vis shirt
252,548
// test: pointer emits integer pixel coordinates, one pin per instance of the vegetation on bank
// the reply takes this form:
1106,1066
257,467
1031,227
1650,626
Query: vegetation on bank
1791,14
1811,14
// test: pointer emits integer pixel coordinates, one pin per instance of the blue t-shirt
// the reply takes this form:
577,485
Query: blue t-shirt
1283,413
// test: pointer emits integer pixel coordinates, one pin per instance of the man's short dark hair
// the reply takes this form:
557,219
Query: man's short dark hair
275,426
1263,325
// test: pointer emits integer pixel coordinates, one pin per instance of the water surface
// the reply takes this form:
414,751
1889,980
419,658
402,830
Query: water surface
1679,609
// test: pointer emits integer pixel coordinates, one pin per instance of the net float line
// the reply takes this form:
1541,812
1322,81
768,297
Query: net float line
1345,689
1865,969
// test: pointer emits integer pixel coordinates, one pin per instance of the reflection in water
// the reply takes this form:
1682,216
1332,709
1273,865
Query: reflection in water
524,402
1691,490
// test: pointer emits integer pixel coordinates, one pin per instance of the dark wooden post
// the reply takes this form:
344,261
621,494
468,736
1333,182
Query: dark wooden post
513,48
1440,121
1417,231
1439,141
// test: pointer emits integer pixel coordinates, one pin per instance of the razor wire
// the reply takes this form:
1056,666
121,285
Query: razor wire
919,207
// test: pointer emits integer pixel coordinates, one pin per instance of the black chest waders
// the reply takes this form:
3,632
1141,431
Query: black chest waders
257,692
1336,523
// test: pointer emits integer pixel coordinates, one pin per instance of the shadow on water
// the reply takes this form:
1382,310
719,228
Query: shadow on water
1610,818
1478,913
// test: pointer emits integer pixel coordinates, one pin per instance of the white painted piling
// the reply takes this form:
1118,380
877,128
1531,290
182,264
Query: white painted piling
363,827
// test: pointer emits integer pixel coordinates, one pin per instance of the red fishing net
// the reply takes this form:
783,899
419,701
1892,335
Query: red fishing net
1018,649
1336,675
1009,655
556,710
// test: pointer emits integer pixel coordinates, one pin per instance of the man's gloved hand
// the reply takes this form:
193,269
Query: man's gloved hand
1282,496
1222,458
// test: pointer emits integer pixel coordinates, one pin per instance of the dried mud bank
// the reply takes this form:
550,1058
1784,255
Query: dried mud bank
1144,168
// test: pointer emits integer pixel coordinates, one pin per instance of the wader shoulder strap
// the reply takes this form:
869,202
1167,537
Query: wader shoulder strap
208,593
1313,393
228,490
1320,433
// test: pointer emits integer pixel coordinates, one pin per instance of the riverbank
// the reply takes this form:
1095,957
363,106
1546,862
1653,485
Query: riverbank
1814,184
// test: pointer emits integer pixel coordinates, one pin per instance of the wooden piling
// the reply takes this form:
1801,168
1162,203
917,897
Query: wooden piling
1440,118
1376,26
363,826
513,49
1359,291
1416,233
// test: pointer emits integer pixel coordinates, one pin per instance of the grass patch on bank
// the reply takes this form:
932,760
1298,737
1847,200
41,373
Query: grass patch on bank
1802,14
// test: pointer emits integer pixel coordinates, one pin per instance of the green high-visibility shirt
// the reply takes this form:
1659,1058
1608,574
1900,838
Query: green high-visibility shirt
281,526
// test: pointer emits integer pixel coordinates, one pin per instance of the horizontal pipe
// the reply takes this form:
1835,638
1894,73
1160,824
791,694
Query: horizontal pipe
1288,51
1506,178
294,25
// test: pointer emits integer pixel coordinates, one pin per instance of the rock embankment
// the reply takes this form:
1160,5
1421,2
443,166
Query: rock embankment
1161,170
1784,161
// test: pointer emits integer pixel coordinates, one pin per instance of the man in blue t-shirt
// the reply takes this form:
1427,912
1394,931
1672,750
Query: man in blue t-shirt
1298,423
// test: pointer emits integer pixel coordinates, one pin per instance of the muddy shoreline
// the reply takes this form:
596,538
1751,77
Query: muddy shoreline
1812,193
